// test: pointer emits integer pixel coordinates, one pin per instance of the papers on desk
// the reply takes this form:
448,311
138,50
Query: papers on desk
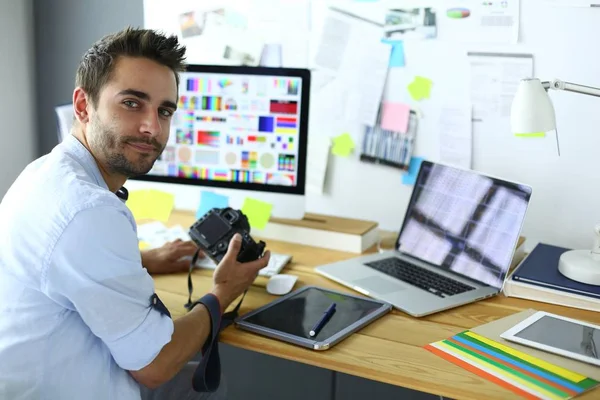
155,234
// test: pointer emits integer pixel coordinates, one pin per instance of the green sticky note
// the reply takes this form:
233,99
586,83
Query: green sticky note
258,212
531,135
420,88
342,145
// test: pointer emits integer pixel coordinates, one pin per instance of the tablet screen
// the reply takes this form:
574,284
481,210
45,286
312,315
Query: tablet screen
298,314
565,335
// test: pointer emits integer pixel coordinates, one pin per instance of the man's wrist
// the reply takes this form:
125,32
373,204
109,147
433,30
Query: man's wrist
221,297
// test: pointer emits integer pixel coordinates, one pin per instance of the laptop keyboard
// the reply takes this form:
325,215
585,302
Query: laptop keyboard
436,284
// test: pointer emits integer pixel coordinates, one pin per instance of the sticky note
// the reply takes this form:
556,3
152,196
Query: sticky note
137,204
210,200
159,205
410,177
342,145
420,88
151,204
258,212
395,117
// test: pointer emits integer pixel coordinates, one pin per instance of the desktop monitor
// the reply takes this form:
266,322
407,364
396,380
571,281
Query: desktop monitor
238,131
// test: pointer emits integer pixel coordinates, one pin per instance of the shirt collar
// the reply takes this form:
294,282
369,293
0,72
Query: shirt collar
73,146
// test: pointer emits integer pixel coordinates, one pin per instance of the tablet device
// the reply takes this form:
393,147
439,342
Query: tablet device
291,318
559,335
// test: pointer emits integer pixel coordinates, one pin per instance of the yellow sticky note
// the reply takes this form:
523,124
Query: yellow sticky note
420,88
151,204
342,145
159,205
258,212
137,203
143,245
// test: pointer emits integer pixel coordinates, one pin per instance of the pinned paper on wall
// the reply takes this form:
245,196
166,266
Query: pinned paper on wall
420,88
343,145
209,200
410,177
151,204
395,117
397,58
258,212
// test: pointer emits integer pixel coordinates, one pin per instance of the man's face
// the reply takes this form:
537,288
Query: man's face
129,127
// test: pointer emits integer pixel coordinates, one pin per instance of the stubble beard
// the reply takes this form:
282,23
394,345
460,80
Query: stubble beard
111,145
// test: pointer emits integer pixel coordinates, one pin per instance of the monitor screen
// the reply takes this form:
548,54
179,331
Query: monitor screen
464,221
238,127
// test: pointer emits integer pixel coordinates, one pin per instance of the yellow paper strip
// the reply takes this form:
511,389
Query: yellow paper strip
531,135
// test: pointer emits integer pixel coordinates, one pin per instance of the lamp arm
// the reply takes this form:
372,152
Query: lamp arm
571,87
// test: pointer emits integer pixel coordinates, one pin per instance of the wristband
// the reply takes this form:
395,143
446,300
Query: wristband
207,376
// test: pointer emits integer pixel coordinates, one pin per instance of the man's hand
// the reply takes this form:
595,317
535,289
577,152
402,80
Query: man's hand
232,278
168,258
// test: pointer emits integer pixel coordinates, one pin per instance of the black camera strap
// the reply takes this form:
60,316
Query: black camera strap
207,376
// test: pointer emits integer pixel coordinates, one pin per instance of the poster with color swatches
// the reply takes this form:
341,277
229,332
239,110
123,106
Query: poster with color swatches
523,374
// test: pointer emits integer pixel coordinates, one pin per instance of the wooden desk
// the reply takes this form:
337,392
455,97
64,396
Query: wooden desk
390,350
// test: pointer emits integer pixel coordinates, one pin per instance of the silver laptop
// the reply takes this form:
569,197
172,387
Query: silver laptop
455,245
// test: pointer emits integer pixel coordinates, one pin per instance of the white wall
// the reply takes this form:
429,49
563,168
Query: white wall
566,196
17,104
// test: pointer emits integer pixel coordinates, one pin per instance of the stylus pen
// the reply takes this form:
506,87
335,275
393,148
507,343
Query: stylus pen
324,318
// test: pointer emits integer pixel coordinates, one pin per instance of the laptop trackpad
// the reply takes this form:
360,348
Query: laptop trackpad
381,285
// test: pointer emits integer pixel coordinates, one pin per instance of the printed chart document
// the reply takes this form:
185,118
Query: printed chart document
495,78
350,50
480,21
456,135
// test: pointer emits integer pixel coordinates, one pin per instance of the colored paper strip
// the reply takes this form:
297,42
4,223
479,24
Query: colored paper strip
536,373
478,371
570,375
500,371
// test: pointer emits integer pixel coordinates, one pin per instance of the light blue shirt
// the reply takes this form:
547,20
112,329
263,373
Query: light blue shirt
75,308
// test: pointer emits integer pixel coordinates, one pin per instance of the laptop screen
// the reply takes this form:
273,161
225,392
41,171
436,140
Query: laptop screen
464,221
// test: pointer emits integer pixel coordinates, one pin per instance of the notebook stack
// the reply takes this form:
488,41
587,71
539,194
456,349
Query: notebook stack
538,278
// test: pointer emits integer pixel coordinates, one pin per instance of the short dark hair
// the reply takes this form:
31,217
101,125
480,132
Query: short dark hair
98,62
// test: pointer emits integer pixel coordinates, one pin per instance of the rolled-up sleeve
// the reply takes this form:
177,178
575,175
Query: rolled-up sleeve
95,270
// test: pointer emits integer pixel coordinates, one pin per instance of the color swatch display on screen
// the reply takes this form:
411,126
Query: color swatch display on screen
236,128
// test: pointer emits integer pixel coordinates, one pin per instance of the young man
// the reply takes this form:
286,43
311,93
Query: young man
78,316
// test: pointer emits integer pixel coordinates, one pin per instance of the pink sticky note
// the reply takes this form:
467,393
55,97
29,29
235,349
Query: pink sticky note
395,117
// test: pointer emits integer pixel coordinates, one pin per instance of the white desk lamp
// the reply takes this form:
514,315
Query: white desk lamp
532,112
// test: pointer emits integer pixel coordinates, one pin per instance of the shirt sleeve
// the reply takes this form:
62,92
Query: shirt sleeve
95,270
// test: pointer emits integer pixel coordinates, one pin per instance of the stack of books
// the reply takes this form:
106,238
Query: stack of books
335,233
537,278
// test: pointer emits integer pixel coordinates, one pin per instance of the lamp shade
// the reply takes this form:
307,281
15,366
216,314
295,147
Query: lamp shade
532,110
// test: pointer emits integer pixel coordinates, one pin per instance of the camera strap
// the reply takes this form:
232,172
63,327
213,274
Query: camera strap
207,376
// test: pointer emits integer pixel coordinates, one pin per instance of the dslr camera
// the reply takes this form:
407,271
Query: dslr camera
215,229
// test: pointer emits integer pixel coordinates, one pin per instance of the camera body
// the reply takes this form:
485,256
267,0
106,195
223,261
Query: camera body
213,232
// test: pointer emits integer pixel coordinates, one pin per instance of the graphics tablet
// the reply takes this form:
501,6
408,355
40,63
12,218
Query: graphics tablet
292,317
